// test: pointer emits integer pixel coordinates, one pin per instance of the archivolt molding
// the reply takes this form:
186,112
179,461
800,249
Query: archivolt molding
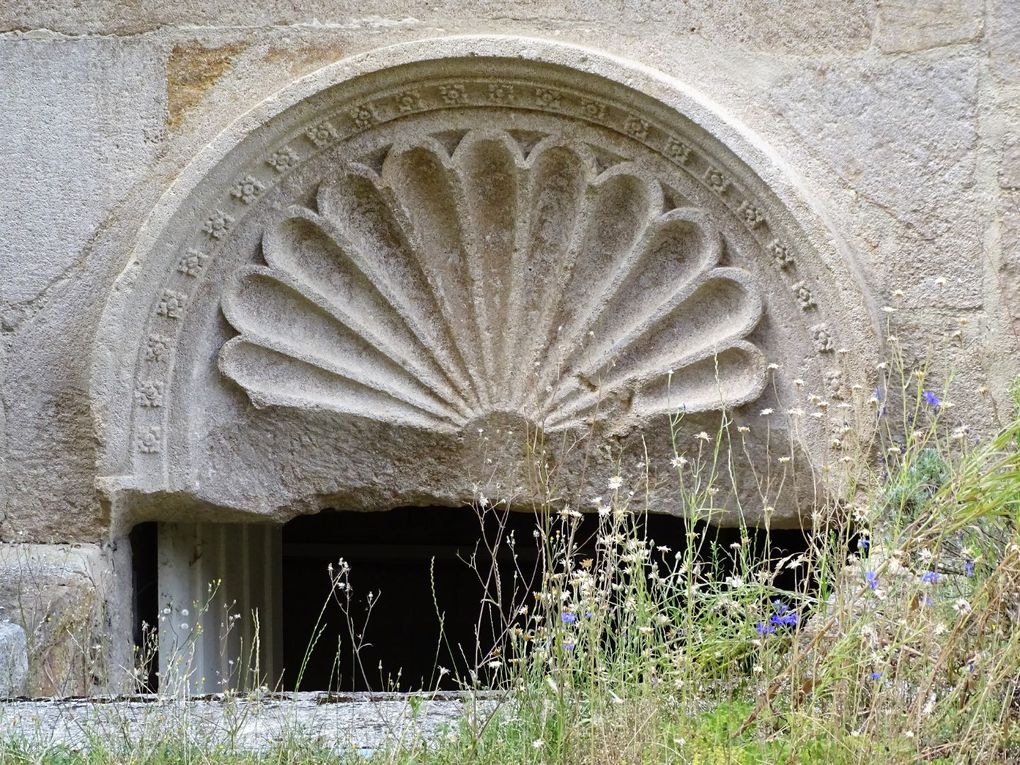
437,232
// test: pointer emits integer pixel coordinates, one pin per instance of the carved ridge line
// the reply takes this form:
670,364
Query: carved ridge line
574,333
359,329
449,390
436,277
530,343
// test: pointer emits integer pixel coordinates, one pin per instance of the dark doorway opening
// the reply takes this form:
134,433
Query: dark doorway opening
414,601
145,602
426,597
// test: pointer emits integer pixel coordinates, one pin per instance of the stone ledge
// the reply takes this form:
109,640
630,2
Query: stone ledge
363,722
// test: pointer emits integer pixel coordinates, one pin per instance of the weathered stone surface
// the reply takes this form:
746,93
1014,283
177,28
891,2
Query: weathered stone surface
82,121
13,660
1004,41
904,25
98,106
192,70
812,25
901,135
1009,270
361,722
57,594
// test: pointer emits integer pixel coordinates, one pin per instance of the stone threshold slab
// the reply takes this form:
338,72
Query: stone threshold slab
360,722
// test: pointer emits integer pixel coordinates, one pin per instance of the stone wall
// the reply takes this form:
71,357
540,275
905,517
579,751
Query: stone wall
895,123
900,118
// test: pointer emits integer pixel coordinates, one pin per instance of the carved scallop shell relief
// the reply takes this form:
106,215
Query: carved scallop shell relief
453,285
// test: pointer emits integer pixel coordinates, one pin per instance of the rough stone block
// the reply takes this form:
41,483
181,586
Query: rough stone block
57,594
82,119
913,25
901,136
13,660
1009,270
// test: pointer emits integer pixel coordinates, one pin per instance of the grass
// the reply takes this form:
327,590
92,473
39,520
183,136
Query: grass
898,641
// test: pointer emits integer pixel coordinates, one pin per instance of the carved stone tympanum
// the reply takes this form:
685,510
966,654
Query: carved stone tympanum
494,278
426,269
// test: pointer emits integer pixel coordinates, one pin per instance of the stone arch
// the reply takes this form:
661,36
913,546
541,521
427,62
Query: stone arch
217,396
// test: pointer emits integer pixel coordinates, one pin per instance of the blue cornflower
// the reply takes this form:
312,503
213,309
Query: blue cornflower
783,615
569,645
864,543
968,568
931,399
930,577
785,619
872,579
764,629
876,675
568,617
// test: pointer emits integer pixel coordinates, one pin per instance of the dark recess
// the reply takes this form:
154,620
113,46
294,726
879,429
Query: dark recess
145,600
391,554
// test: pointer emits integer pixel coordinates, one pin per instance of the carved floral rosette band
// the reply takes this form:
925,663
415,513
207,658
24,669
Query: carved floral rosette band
428,245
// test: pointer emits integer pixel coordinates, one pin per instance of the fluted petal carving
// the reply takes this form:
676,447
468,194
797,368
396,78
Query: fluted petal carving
451,285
